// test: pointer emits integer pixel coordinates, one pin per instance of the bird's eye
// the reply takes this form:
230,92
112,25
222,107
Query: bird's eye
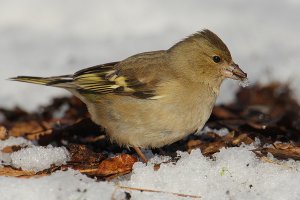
217,59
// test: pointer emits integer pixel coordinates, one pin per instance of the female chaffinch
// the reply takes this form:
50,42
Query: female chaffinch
154,98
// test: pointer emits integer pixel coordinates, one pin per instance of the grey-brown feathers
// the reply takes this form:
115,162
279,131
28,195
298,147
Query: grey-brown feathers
154,98
212,39
203,38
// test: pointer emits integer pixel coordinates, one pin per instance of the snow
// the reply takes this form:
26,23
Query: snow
5,158
46,38
234,173
30,157
39,158
244,83
206,129
67,185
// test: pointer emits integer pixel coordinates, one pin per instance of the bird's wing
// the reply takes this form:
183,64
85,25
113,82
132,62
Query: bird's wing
138,76
110,79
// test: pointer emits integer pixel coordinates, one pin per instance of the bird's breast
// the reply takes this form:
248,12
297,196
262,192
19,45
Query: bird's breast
153,123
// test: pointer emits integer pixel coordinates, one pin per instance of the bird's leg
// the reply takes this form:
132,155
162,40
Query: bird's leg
141,155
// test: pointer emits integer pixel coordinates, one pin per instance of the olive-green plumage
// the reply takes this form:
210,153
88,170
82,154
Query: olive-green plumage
155,98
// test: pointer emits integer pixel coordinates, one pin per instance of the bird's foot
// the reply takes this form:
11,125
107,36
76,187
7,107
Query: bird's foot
141,155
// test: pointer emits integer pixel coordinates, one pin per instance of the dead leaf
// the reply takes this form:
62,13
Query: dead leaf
25,128
3,133
243,138
119,164
283,146
212,148
282,153
9,171
229,137
11,149
193,144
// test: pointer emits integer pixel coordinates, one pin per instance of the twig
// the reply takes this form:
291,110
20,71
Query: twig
158,191
93,139
111,177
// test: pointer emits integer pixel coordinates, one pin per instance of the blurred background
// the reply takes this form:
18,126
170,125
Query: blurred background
45,38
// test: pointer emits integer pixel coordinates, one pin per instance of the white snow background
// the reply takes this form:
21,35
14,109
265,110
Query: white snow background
46,38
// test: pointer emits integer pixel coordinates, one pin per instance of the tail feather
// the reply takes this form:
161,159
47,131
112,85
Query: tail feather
56,81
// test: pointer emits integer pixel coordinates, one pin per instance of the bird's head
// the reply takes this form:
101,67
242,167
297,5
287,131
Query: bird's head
204,57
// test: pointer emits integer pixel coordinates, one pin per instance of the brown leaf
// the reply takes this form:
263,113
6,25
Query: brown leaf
212,147
229,137
288,147
193,144
283,154
216,142
243,138
24,128
10,149
282,151
31,130
38,135
3,133
283,146
119,164
9,171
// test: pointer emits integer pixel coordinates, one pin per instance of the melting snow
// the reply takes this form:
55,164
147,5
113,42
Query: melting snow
39,158
233,173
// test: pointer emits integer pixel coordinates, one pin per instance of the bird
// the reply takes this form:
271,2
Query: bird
154,98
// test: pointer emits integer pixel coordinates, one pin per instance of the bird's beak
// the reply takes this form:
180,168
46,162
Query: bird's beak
233,71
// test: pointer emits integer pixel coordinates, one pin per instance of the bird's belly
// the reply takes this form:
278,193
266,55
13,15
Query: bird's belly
148,123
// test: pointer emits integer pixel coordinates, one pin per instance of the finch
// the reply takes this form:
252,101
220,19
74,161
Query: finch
155,98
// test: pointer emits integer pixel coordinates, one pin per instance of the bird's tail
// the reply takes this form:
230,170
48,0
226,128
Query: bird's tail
56,81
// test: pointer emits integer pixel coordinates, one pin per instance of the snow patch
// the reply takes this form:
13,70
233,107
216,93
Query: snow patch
67,185
4,159
39,158
220,132
233,173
